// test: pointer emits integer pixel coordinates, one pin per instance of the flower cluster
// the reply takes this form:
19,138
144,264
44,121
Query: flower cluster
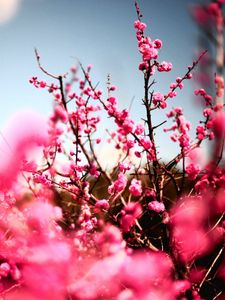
181,127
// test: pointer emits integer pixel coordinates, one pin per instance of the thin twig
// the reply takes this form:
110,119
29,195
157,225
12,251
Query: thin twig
212,265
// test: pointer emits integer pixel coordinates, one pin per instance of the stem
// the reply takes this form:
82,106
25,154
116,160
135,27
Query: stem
147,104
183,172
211,267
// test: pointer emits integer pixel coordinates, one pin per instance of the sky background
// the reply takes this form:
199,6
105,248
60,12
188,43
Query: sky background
97,32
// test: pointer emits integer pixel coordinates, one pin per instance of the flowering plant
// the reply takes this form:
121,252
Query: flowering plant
72,228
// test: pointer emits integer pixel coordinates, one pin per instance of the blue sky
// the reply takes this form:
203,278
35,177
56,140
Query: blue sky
97,32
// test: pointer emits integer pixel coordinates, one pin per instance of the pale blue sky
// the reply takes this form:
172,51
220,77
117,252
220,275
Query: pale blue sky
98,32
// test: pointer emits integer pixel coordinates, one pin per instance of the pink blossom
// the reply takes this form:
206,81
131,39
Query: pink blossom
143,66
157,98
110,240
129,144
124,167
93,171
156,206
171,94
200,92
59,114
219,125
145,143
26,131
189,76
173,85
112,88
130,214
157,43
137,153
151,277
165,67
4,269
101,205
181,286
140,25
192,170
213,8
150,193
148,52
189,236
139,129
43,84
119,185
127,126
200,14
201,185
135,187
207,112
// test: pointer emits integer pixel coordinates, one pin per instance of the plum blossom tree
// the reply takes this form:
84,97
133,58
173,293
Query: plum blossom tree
144,229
